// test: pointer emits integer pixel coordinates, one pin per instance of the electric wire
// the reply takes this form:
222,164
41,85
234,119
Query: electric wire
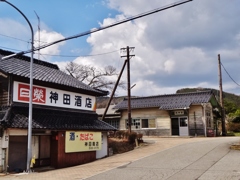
10,48
229,75
14,38
100,54
105,27
20,39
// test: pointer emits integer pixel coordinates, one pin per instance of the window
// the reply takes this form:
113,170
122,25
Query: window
114,123
151,123
142,123
136,123
183,122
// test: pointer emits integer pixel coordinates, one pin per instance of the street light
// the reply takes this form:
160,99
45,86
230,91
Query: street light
29,150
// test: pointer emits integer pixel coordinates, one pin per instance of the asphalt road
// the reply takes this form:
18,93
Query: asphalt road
204,160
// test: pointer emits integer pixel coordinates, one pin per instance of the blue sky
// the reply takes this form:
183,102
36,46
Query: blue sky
174,49
67,18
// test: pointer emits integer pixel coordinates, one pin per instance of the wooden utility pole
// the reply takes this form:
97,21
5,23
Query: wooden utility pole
128,49
221,97
114,89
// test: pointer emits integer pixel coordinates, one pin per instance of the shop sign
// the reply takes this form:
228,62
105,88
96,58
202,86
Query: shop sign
53,97
80,141
180,112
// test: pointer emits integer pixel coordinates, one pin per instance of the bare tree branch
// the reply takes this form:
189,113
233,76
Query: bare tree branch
96,78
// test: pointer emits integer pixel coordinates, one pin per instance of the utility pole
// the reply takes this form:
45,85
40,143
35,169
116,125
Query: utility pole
221,97
38,35
114,89
128,56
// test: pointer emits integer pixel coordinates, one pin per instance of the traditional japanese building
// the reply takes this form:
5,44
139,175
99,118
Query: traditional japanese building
181,114
65,127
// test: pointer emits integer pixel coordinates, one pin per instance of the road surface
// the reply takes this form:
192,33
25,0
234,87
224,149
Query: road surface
204,160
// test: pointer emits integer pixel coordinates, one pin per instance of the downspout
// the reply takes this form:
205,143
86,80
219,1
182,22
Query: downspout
195,124
204,119
8,99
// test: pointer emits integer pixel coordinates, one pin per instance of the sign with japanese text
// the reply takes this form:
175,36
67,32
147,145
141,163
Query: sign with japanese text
53,97
80,141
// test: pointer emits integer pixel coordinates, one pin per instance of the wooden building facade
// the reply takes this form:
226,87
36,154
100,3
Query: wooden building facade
65,127
183,114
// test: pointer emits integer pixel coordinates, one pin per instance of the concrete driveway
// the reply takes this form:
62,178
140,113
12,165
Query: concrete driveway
162,158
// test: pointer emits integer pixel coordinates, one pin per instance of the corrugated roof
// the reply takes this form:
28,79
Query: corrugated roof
167,102
42,71
50,119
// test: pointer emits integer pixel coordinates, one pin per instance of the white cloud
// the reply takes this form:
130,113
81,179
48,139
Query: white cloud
48,37
14,35
175,48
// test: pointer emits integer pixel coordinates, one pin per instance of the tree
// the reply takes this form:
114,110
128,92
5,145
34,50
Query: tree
95,78
229,106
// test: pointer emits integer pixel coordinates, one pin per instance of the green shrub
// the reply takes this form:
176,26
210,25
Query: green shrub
234,127
230,134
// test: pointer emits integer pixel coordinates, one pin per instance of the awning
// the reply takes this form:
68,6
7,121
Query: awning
54,119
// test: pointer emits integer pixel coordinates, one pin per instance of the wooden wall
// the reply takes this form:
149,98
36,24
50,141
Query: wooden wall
3,91
196,114
162,120
60,159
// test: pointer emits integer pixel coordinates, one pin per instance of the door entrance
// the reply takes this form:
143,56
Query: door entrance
183,126
179,126
17,153
175,126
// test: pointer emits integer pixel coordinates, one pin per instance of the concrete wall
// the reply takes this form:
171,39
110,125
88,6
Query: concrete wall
104,151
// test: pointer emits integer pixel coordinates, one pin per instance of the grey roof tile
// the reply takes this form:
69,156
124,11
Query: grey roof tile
55,120
42,71
167,102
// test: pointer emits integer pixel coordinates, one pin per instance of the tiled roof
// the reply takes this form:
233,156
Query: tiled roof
50,119
167,102
42,71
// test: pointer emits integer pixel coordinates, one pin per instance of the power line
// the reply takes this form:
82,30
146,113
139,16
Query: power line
100,54
105,27
229,75
10,48
20,39
14,38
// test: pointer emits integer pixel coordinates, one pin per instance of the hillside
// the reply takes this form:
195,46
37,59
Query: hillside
226,96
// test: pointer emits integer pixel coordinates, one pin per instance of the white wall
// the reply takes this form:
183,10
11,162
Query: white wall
104,151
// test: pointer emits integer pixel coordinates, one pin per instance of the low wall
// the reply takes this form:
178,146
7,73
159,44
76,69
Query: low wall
154,132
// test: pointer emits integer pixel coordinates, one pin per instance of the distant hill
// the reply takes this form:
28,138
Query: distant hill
228,96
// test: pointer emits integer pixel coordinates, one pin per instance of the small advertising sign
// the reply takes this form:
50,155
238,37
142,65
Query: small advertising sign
80,141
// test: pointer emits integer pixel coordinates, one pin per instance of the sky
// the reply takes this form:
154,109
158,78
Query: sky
174,49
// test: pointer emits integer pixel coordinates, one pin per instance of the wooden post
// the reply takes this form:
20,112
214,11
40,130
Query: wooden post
221,97
129,86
